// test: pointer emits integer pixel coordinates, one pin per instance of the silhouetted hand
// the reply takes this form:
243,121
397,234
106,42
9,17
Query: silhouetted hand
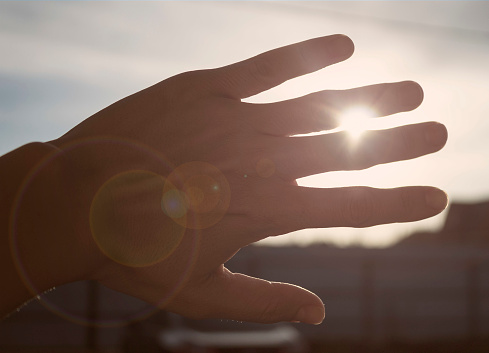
167,184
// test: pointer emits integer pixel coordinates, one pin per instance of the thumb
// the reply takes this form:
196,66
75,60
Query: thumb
239,297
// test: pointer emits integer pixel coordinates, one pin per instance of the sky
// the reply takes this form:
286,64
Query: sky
63,61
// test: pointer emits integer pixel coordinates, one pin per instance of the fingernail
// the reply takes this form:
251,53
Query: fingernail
436,135
436,199
310,315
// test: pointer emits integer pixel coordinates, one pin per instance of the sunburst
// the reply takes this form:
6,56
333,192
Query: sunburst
356,120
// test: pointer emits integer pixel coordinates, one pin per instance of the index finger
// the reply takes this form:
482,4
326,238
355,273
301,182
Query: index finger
264,71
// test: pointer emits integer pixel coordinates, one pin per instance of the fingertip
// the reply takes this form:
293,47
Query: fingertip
413,95
420,90
310,314
343,46
348,43
436,134
436,199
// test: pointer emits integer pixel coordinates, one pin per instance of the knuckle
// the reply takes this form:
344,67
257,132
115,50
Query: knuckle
304,59
310,152
277,212
252,151
263,70
264,212
185,85
407,202
271,310
405,141
266,219
359,207
367,157
303,210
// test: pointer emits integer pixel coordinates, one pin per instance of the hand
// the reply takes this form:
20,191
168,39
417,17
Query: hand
168,184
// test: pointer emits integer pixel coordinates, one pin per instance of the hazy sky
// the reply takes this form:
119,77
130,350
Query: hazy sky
63,61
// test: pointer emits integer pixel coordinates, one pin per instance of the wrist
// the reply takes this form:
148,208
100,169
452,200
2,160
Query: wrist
16,168
47,246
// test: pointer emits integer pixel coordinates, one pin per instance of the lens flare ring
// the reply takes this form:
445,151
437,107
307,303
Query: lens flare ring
55,307
127,222
201,191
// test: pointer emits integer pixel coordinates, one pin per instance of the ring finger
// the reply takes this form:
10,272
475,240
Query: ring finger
295,157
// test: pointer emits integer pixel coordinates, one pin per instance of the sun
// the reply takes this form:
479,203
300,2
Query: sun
356,120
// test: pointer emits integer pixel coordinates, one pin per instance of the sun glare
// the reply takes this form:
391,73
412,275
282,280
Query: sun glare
355,120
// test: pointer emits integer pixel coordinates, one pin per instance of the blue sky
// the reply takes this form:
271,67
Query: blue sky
63,61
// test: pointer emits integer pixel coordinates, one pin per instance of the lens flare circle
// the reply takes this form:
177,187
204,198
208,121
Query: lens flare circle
174,205
206,194
127,222
58,307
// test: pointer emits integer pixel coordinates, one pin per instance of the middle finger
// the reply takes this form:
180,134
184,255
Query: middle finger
320,110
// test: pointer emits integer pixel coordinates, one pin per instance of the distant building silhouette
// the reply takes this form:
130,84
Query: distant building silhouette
466,224
419,290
